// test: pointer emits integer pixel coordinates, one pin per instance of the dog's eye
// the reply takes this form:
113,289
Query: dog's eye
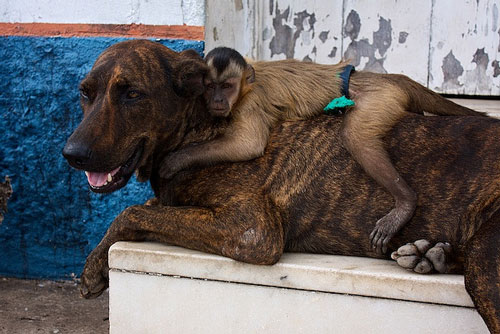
83,94
132,95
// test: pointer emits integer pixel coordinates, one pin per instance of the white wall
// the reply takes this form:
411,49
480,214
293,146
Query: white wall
451,46
151,12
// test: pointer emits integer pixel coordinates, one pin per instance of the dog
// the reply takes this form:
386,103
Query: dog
142,100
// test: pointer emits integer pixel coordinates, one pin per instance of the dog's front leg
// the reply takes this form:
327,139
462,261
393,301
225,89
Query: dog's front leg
246,233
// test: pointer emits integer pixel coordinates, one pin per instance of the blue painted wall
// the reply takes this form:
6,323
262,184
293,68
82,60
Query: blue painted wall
53,220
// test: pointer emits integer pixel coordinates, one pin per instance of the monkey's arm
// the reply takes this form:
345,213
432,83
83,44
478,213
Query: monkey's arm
245,139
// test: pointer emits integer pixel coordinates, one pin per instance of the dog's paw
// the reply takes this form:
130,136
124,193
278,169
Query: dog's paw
94,279
420,257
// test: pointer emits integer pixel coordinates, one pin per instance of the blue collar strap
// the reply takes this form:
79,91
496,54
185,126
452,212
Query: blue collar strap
337,106
345,75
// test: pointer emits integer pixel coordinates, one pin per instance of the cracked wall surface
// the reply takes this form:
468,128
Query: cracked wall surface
450,47
465,48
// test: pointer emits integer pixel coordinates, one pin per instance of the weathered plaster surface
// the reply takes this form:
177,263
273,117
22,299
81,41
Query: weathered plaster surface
156,12
392,36
450,47
53,220
375,36
302,31
234,25
465,48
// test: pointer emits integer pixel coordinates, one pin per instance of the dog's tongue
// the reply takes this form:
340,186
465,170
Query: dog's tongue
96,179
99,179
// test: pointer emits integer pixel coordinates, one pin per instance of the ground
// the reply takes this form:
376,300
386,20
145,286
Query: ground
37,306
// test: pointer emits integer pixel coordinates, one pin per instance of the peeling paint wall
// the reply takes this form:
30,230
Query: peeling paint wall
232,21
450,46
465,47
302,33
387,40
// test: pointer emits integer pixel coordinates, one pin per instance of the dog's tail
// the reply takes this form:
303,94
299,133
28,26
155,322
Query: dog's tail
422,99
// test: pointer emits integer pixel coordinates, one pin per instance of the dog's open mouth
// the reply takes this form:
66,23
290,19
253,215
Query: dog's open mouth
117,178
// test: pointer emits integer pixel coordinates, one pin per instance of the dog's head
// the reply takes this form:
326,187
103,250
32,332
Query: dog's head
135,97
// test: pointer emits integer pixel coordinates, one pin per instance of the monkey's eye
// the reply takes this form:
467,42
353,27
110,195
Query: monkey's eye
227,85
211,85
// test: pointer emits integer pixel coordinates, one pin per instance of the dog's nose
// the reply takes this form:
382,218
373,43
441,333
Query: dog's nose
78,155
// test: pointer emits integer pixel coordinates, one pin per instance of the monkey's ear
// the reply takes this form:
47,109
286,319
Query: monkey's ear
187,76
250,74
190,53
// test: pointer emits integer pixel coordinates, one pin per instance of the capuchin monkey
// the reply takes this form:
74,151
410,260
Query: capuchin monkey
256,96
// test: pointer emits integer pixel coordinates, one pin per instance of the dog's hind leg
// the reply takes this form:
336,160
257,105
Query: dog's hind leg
482,272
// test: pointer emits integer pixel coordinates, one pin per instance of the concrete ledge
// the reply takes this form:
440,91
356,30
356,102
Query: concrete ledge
491,107
157,288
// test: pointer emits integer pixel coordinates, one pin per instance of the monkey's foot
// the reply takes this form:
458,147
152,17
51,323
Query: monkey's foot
387,226
420,257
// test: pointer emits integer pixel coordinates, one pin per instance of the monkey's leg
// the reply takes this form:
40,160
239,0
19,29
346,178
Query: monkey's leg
363,129
482,272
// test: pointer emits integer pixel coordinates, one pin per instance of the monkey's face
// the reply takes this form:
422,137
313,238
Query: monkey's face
222,95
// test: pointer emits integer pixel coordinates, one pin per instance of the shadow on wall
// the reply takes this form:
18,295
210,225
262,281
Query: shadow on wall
53,220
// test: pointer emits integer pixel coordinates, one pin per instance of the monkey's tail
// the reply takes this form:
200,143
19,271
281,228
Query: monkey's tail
422,99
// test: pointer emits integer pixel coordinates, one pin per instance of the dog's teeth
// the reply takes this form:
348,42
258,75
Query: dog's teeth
110,178
87,173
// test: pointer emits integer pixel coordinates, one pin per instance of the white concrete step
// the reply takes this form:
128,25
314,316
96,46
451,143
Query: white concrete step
156,288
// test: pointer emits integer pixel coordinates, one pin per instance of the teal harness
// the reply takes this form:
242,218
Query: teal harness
337,106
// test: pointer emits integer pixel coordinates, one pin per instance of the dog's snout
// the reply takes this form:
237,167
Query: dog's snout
77,154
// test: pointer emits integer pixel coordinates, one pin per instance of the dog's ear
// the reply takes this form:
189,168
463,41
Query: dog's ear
188,74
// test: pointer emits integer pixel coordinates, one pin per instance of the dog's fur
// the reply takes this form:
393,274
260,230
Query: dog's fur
306,194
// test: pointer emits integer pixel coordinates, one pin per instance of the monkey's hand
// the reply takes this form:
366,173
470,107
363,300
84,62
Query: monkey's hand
173,163
168,168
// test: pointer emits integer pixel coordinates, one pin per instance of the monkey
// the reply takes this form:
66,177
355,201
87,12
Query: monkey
256,96
230,78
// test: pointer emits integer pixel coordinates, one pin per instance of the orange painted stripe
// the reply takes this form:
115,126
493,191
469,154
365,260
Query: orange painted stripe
102,30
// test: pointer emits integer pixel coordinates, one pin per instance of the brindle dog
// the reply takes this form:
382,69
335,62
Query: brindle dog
306,194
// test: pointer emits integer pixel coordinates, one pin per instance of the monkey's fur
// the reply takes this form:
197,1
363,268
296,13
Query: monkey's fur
305,194
292,90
